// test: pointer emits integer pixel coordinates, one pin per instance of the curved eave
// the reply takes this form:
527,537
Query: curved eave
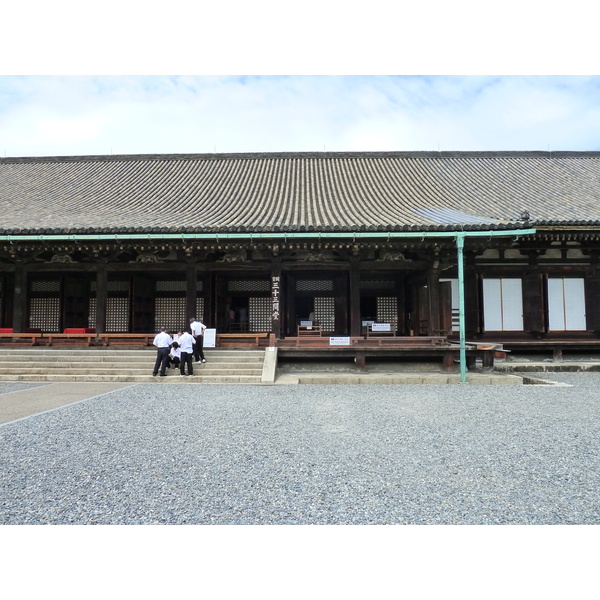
263,230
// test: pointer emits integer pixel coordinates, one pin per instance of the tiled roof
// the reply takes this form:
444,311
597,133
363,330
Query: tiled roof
296,192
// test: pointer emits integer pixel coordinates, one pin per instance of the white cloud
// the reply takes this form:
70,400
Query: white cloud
99,115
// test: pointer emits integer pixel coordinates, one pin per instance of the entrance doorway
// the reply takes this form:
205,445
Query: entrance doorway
320,297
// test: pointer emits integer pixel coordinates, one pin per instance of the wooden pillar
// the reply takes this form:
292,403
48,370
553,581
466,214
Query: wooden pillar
289,290
210,304
361,360
101,298
355,324
402,328
191,292
487,359
20,316
533,297
433,287
277,299
448,362
592,295
472,320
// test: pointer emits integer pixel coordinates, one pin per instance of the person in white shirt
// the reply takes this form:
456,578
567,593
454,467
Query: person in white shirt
186,344
163,343
197,328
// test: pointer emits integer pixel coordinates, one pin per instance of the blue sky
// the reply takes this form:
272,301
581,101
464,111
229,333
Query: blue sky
78,115
270,77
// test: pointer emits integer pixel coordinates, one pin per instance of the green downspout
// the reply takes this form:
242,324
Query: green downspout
458,235
460,244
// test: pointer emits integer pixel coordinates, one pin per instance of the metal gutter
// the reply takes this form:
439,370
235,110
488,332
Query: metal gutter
74,237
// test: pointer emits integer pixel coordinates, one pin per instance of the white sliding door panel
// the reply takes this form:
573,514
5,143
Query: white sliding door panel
566,304
492,305
503,304
556,305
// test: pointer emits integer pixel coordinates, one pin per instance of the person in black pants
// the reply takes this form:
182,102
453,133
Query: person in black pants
163,343
186,343
197,328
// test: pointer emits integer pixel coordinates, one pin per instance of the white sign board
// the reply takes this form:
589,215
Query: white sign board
339,341
210,338
381,327
306,323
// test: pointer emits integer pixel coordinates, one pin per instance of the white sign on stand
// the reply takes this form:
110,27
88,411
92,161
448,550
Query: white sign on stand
210,338
381,327
339,341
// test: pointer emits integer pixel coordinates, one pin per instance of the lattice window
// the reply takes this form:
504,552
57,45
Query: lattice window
117,315
45,314
378,284
387,311
249,285
117,286
259,314
325,313
169,313
314,285
42,286
199,309
92,313
200,286
171,286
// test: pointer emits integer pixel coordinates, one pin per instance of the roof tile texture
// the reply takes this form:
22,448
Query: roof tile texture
287,192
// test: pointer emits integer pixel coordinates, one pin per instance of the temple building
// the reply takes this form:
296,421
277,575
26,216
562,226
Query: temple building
265,242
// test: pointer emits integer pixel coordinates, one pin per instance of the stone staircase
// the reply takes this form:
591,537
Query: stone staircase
135,365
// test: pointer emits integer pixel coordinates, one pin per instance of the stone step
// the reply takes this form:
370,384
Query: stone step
122,356
84,353
77,370
172,378
133,364
222,366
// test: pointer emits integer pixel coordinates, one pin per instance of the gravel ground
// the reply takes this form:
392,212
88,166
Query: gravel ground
368,454
9,387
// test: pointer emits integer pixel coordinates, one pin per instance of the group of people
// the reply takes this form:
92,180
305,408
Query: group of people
179,350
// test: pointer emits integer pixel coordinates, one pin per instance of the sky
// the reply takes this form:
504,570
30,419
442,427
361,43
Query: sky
256,77
83,115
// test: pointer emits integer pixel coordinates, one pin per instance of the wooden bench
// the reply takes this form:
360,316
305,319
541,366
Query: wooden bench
71,339
409,341
309,331
377,333
242,339
310,342
21,339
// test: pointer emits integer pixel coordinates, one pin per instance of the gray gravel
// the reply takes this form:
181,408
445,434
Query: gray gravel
364,454
9,387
